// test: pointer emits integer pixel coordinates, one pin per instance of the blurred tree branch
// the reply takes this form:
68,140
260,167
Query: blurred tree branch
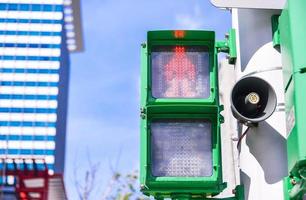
123,187
120,186
85,188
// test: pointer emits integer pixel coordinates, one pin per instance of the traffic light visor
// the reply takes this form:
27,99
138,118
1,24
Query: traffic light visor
180,71
181,148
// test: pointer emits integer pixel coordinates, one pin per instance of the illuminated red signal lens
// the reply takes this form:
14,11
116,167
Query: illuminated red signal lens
179,34
180,72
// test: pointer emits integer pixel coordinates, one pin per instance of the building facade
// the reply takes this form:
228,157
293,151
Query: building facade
36,37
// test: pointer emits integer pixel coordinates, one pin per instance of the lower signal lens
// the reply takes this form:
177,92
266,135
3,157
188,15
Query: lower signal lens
181,148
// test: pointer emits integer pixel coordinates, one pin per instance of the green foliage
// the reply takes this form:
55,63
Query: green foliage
123,187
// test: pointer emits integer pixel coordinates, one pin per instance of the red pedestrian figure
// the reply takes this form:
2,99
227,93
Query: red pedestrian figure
180,75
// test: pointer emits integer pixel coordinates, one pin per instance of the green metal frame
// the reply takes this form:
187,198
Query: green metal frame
292,29
239,195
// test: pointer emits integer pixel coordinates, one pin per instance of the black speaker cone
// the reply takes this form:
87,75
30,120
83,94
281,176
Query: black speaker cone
253,99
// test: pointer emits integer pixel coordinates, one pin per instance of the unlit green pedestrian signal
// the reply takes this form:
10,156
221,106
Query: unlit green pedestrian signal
181,148
180,115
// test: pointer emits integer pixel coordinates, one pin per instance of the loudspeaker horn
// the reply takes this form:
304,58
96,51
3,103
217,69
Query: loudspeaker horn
252,100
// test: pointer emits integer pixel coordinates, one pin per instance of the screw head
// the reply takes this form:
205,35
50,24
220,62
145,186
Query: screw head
293,182
233,191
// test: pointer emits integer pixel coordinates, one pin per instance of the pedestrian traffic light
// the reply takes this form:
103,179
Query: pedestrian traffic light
180,115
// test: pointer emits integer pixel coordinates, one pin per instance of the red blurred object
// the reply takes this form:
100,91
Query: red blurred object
179,34
36,184
22,195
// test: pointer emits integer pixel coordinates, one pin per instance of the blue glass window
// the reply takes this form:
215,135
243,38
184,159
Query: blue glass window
31,7
29,124
28,110
29,97
18,45
30,58
28,137
44,21
38,71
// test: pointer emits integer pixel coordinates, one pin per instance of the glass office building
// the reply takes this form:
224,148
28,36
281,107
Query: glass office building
36,37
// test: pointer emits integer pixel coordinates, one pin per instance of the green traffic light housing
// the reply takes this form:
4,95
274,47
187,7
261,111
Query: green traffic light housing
180,67
180,115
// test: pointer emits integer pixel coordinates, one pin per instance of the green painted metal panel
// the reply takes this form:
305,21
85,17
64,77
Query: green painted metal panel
292,28
293,43
294,17
286,46
296,115
293,40
287,187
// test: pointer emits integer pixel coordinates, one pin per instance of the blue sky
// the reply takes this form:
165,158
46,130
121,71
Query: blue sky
103,108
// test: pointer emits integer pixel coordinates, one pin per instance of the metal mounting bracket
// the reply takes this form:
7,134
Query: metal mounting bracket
228,46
